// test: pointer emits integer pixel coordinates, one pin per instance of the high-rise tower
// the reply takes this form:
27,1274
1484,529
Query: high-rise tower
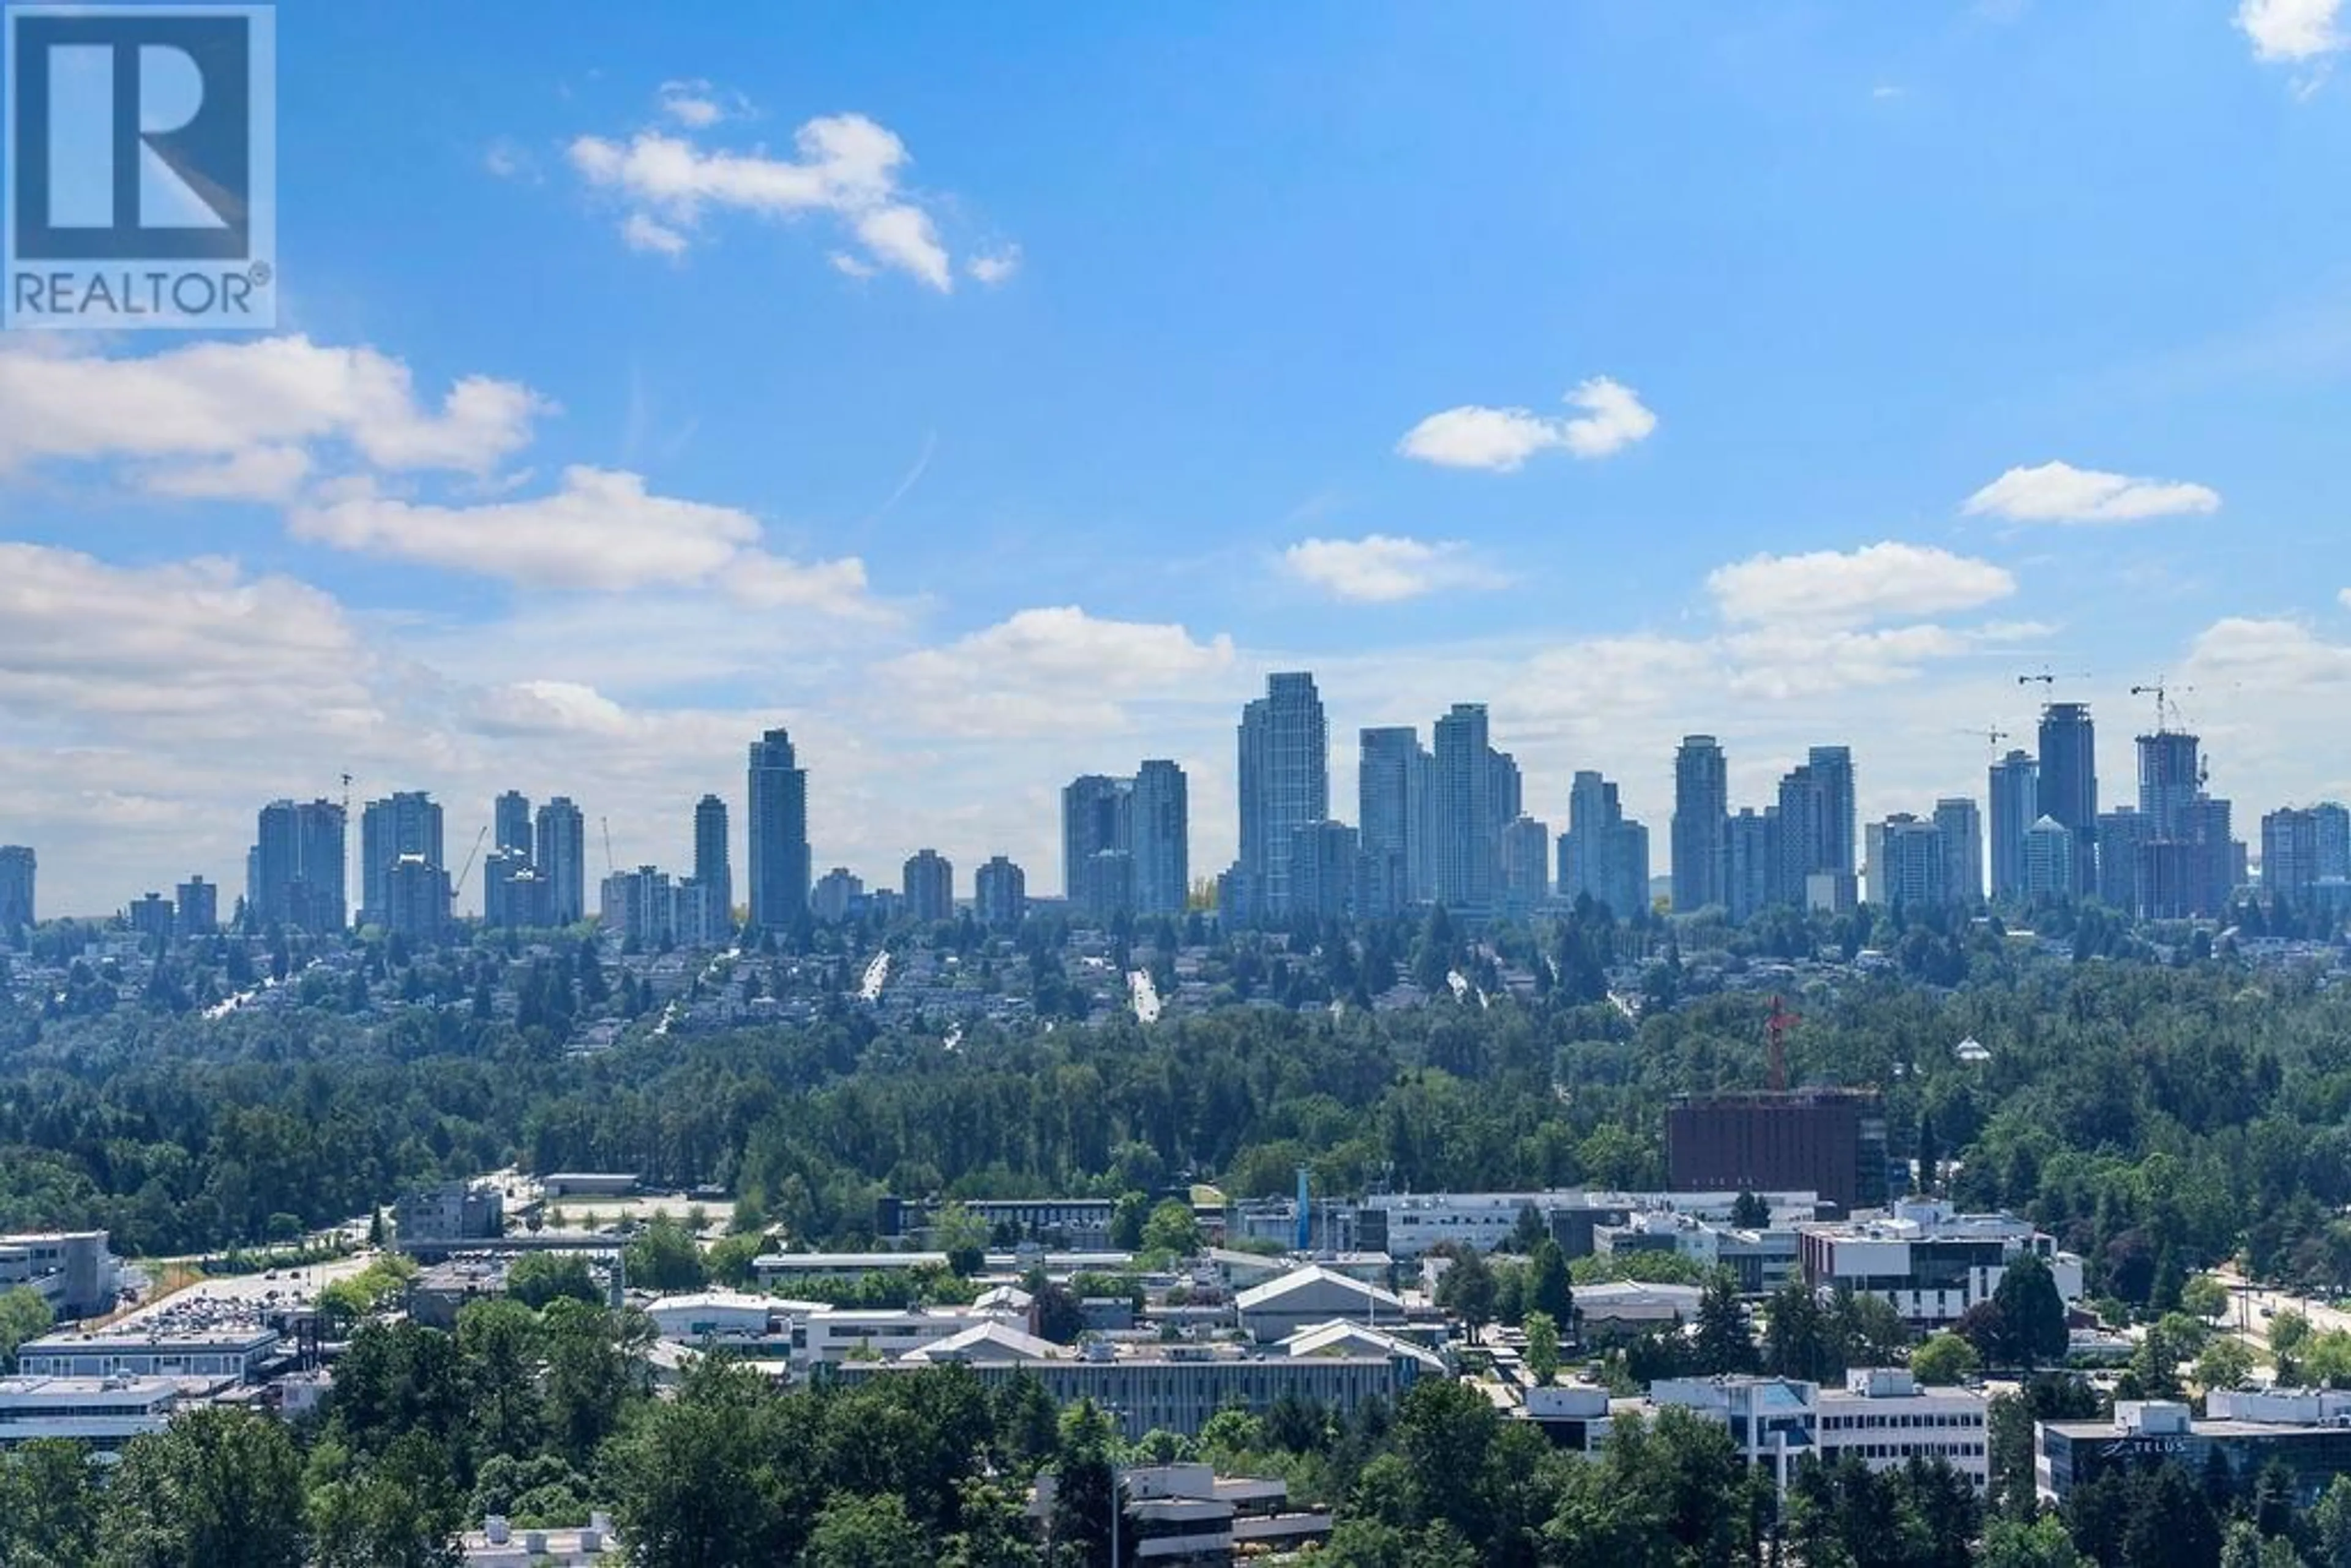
2069,786
1285,784
1701,828
779,830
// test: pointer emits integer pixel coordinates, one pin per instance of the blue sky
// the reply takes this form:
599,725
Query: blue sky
991,400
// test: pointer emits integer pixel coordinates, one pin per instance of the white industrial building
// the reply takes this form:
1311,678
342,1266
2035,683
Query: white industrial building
104,1413
1883,1415
1311,1296
1931,1263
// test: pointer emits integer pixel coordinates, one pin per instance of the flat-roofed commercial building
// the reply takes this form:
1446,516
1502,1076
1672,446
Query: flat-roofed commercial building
2306,1432
1930,1264
1884,1418
1176,1388
233,1351
103,1413
73,1269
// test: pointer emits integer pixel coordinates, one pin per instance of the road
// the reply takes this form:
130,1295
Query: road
2249,1323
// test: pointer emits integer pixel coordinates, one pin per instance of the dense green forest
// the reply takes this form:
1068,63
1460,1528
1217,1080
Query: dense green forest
2156,1117
535,1414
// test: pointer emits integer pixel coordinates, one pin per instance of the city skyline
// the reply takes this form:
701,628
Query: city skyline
1020,495
1769,851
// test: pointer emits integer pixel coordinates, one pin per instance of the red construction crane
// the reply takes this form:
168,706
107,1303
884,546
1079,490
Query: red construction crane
1775,1043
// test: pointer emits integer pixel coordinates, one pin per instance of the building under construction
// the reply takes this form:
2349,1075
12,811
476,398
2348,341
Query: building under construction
1828,1141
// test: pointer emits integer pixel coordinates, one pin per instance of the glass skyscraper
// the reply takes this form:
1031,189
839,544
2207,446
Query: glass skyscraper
780,838
1285,784
2069,786
1701,829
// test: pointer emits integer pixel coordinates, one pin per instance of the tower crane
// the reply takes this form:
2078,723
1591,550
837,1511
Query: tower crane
1993,735
606,823
459,885
2166,710
2047,679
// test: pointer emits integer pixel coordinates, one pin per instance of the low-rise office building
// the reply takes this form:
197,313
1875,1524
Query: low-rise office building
1761,1260
231,1352
1171,1387
2306,1432
1883,1416
452,1212
1187,1516
74,1271
102,1413
1774,1422
1928,1262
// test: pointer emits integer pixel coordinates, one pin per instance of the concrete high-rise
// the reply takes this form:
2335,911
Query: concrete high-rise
2168,780
510,822
1754,857
1962,825
1816,826
928,881
2334,841
1469,839
714,871
16,867
296,868
2301,848
199,906
1701,826
2015,807
1604,856
1285,784
1097,818
416,893
999,893
1159,837
2124,834
2069,786
1916,864
1525,880
1322,857
779,832
2049,859
562,857
404,824
1391,777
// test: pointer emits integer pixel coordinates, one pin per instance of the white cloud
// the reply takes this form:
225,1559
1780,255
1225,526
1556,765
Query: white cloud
1382,568
511,160
2291,30
848,266
2346,597
845,165
601,530
246,403
903,236
255,474
1882,581
196,651
639,232
1885,92
995,266
1501,439
2061,493
1050,672
698,106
